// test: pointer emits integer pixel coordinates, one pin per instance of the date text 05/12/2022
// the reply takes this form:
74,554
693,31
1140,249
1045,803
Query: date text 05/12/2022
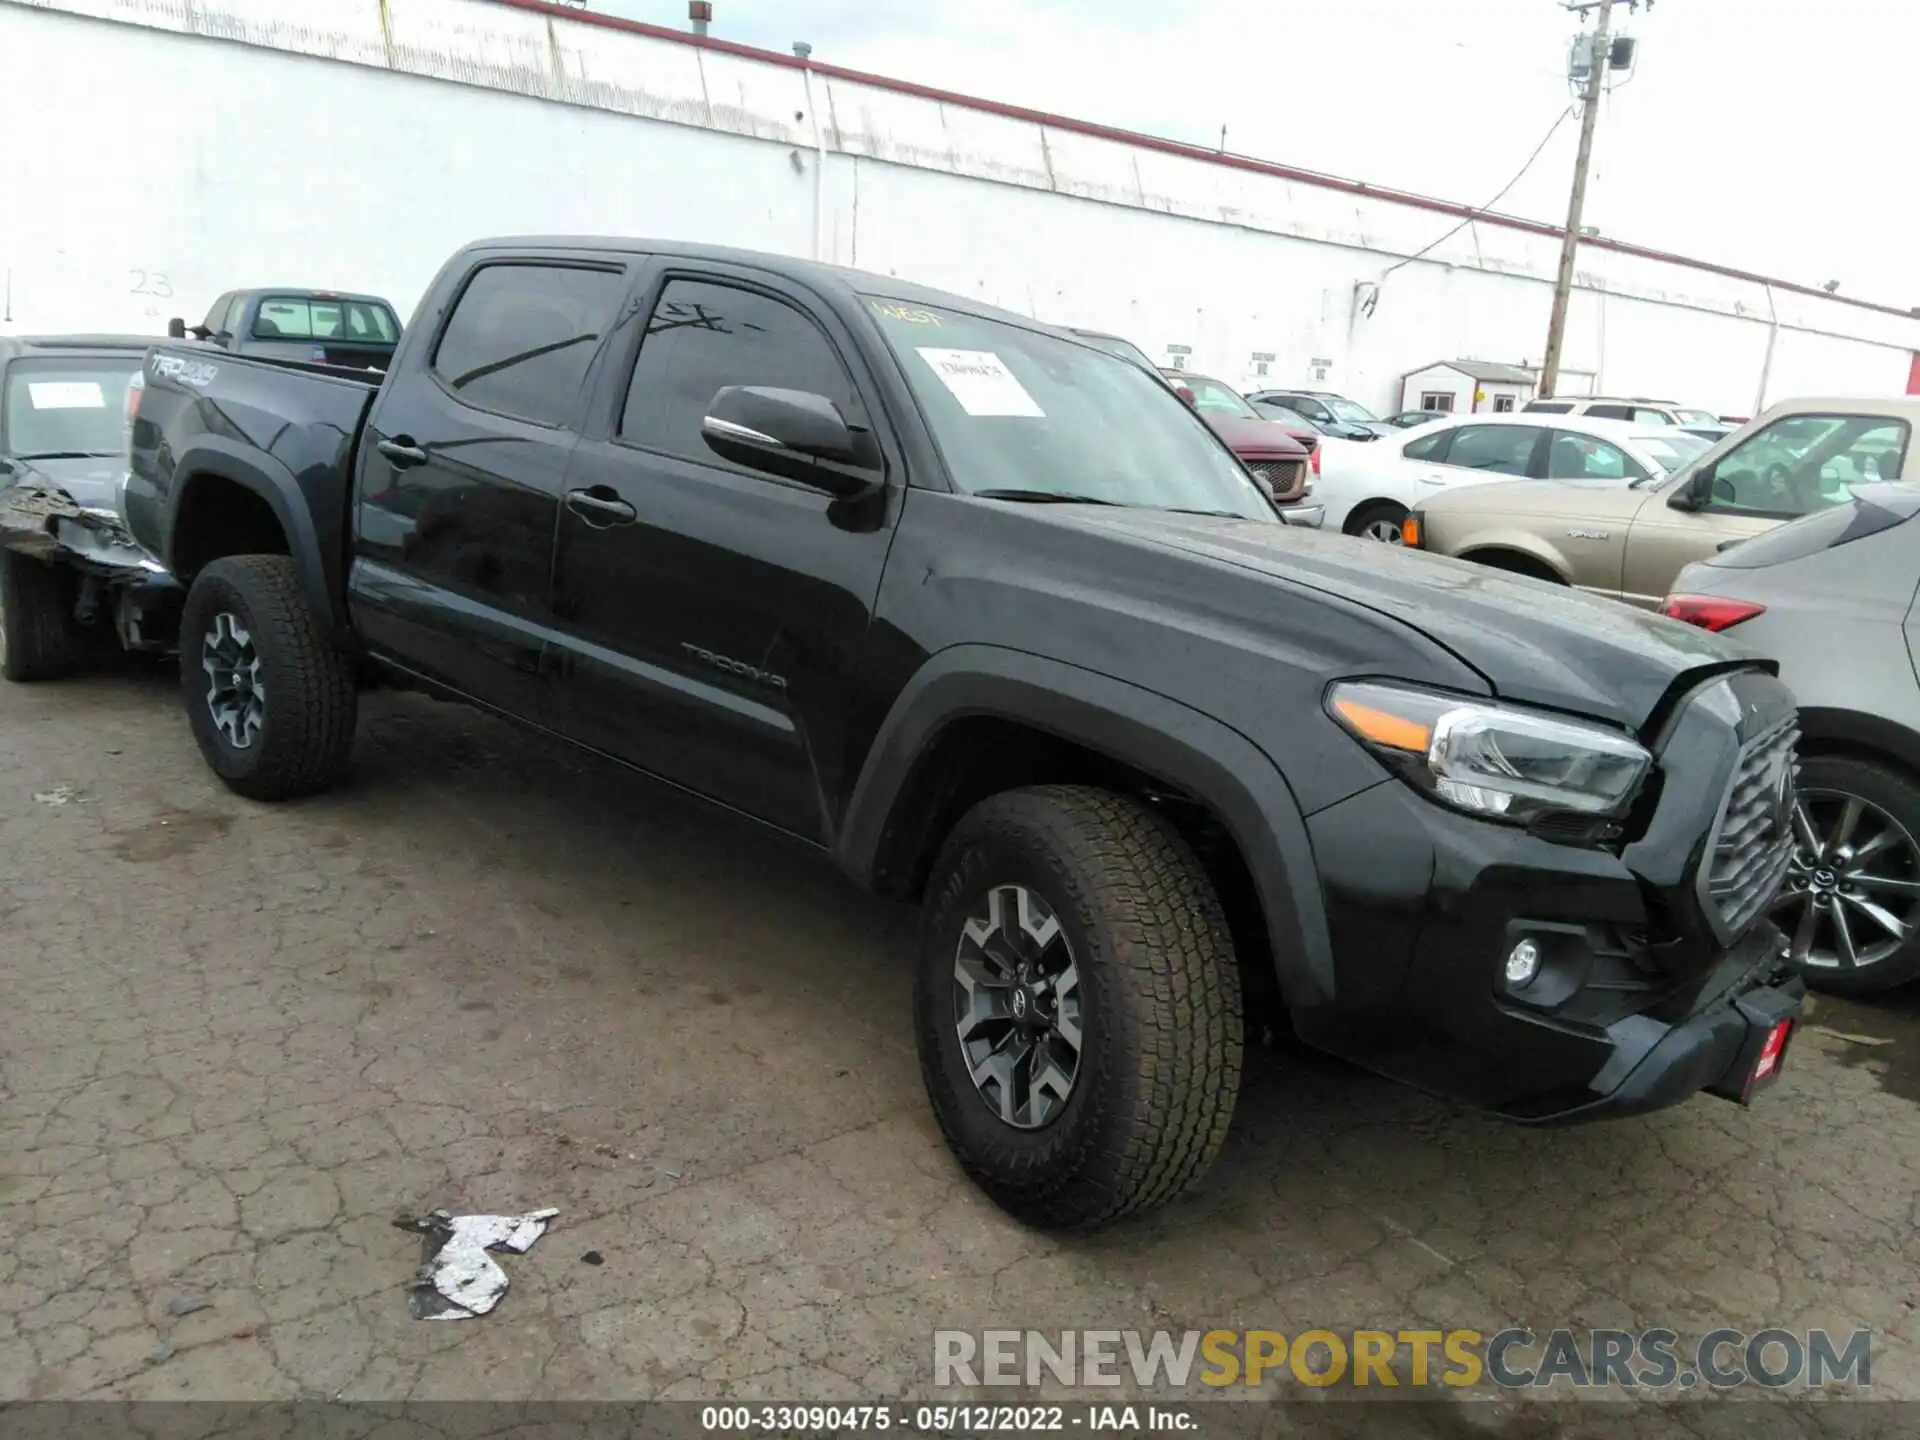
795,1420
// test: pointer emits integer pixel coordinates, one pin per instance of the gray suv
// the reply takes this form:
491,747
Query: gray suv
1832,598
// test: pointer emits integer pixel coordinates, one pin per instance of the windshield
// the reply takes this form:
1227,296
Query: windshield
1346,410
1013,409
1211,396
291,317
66,407
1114,345
1697,417
1671,451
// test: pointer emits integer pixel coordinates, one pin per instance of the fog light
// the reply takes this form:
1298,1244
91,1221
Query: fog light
1523,963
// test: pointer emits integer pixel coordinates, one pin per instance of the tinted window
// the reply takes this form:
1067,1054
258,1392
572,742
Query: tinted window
1805,463
1582,457
1427,447
236,316
703,337
521,338
1548,407
1610,412
1504,449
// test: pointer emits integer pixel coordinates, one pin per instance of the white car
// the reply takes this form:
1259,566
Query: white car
1369,487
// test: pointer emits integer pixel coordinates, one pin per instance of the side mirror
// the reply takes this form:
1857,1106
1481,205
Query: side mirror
6,467
1192,400
176,329
1694,491
796,435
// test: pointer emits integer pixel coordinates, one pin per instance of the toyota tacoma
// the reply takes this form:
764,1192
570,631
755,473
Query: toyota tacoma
991,619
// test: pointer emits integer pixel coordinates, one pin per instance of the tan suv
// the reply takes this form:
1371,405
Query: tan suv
1628,536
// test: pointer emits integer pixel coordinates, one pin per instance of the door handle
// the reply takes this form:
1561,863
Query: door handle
601,506
402,451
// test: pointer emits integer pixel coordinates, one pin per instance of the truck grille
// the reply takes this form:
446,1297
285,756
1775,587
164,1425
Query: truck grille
1753,842
1282,477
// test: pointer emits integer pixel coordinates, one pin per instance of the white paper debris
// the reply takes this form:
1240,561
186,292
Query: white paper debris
65,395
981,382
65,795
458,1279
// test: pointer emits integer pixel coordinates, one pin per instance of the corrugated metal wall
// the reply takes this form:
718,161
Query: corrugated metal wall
233,142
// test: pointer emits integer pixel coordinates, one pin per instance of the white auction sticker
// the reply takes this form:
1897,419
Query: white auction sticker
981,382
66,395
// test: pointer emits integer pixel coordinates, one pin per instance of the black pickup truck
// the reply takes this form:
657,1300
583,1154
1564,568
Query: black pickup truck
993,620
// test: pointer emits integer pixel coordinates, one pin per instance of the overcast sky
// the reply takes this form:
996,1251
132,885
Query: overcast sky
1759,133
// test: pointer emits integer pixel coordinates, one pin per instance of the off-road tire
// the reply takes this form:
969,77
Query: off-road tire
306,733
40,639
1161,1008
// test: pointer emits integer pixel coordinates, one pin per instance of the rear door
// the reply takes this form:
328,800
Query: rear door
462,470
1791,467
712,616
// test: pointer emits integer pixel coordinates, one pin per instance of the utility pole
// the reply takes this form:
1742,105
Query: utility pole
1577,202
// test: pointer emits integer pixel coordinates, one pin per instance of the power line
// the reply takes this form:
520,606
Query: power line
1552,130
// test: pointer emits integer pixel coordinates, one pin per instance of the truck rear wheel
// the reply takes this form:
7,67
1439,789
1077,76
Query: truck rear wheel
39,637
1077,1006
269,696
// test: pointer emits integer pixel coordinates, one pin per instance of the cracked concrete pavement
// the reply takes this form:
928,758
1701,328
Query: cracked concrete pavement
491,976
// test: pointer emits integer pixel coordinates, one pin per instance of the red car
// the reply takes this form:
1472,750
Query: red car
1284,460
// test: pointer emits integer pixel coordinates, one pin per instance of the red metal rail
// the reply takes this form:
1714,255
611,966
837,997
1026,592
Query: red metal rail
1174,147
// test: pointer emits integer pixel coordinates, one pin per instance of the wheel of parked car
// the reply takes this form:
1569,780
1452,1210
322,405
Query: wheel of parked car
39,637
269,695
1077,1006
1379,521
1852,897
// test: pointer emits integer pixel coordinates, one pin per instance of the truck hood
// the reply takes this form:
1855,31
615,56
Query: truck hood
1255,437
1536,643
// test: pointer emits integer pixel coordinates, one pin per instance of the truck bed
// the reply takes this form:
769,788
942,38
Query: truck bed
288,425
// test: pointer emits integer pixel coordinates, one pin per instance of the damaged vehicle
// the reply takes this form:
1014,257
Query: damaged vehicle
71,578
989,619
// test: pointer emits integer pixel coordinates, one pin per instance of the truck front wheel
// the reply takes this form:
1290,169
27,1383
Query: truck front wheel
269,696
1077,1006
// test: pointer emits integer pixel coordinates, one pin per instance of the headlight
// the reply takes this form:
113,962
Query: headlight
1494,760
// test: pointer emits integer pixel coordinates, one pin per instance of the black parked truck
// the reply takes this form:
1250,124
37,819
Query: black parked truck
322,327
991,619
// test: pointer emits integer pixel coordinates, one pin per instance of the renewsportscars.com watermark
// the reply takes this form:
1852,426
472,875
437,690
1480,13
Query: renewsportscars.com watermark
1513,1359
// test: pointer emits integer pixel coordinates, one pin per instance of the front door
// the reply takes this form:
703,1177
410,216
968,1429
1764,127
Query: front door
712,617
1789,468
461,475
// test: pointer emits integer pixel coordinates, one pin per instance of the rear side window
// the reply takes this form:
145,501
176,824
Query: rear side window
705,336
1548,407
1573,456
1427,447
1502,449
1610,412
521,337
1651,417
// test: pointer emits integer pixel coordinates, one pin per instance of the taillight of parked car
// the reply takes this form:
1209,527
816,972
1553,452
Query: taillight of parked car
1710,612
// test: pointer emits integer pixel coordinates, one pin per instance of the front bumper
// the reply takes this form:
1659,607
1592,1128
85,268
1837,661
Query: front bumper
1641,1000
1310,514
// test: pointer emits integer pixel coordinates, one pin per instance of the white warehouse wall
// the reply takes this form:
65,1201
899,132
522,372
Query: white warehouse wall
243,142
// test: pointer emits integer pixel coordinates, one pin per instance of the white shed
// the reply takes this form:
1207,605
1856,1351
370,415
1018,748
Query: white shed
1467,385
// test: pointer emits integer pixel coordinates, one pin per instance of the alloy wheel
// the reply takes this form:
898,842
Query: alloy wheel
236,693
1387,532
1016,1007
1852,893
